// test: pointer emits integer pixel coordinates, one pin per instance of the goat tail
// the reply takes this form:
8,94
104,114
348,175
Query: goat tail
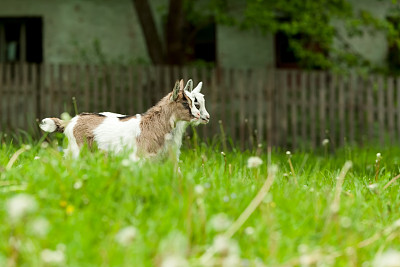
53,125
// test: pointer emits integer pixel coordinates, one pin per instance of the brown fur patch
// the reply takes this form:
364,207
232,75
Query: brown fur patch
156,123
84,127
127,117
60,125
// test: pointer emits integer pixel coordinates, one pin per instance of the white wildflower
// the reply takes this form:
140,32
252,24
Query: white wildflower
345,222
125,162
378,156
373,186
199,189
65,116
174,261
306,260
220,222
52,256
302,249
20,205
223,153
133,157
232,260
36,158
225,246
78,184
249,230
288,153
61,247
390,258
44,145
40,226
325,142
126,236
254,162
396,223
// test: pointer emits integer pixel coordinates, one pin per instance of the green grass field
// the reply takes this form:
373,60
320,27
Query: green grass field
107,211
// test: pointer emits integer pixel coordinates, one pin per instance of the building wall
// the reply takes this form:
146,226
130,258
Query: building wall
72,29
372,45
244,49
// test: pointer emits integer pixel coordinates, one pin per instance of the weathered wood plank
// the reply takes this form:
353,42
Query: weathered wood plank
313,109
322,90
304,107
341,109
390,109
381,110
333,109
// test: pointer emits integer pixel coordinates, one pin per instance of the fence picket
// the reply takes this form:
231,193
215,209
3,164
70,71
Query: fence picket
260,114
131,87
322,106
390,109
371,108
351,107
8,92
25,94
360,107
304,105
341,108
381,114
313,104
85,88
398,108
242,117
332,109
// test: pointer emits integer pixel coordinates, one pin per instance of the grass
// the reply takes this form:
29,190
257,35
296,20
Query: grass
106,211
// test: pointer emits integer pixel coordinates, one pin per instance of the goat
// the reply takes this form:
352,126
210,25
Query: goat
149,135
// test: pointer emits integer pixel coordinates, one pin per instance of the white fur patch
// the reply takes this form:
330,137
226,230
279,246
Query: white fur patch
116,135
73,148
48,125
112,114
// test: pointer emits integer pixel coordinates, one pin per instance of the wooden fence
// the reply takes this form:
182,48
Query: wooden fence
283,108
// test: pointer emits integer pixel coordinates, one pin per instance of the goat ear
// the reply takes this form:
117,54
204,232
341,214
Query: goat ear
189,86
181,84
198,88
175,92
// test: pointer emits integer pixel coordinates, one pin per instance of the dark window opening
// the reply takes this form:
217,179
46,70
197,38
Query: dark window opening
204,44
21,40
285,57
393,55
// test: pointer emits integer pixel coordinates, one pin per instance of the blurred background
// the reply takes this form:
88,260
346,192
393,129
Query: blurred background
288,73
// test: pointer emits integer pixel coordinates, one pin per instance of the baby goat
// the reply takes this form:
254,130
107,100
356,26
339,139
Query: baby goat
151,134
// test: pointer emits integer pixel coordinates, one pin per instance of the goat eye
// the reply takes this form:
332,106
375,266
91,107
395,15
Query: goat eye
197,104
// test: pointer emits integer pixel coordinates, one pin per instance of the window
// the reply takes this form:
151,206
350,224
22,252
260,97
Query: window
204,44
393,55
285,58
21,39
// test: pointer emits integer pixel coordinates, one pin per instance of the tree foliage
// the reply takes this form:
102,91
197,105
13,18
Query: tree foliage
310,25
